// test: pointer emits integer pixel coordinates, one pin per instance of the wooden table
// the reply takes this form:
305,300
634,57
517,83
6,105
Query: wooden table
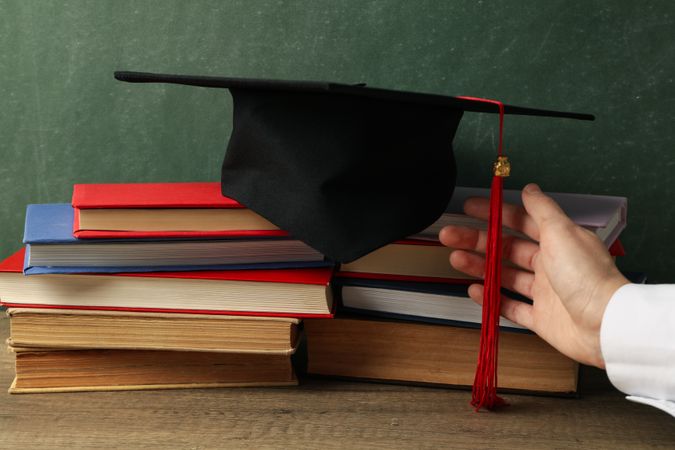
324,414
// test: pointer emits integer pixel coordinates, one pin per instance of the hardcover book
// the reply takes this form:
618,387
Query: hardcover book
164,210
287,293
416,260
51,248
409,260
398,351
439,303
422,258
34,328
422,302
115,370
605,215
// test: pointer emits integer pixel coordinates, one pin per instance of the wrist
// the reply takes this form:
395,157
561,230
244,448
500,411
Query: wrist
601,298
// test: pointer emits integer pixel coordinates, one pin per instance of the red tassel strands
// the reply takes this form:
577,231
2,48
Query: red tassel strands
484,393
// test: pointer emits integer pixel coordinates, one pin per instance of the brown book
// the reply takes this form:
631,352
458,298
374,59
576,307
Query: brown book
78,329
432,354
104,370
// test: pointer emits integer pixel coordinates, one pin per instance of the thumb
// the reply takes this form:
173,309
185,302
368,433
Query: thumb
541,207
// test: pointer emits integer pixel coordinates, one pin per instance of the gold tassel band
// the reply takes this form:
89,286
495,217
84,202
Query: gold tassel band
502,167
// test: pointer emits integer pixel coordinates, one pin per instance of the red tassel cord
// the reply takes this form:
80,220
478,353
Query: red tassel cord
484,394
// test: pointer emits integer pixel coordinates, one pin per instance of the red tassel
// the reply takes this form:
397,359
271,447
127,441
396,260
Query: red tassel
485,382
484,393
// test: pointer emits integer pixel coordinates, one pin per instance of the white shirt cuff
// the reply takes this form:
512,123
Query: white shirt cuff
637,340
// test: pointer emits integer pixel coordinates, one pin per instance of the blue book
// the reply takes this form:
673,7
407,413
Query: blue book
51,248
435,303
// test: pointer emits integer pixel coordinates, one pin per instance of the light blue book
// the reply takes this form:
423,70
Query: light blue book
51,248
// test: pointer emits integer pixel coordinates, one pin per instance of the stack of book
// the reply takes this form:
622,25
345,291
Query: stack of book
149,286
404,313
146,286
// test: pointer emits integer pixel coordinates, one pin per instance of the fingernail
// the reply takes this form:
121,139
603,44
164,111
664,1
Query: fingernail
532,188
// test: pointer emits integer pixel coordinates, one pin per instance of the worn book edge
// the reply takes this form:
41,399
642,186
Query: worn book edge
146,387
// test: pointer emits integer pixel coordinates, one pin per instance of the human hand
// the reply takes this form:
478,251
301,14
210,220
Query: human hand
567,272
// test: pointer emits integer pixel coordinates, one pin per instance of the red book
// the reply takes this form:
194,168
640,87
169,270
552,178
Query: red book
406,260
280,293
163,210
416,261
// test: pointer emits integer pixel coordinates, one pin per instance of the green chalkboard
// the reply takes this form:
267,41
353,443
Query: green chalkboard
65,120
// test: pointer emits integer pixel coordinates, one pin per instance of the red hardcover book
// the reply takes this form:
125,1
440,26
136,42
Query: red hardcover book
102,210
406,260
277,293
416,261
151,195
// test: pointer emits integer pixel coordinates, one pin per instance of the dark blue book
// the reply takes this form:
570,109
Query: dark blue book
435,303
439,303
51,248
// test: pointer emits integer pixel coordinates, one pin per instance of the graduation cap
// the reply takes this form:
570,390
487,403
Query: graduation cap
350,168
344,168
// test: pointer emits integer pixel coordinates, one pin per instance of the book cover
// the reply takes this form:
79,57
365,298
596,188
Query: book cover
151,195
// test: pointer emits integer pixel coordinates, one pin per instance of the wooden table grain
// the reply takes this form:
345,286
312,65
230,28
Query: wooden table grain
324,414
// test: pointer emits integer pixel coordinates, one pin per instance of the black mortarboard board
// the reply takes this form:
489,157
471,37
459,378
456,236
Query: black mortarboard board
344,168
